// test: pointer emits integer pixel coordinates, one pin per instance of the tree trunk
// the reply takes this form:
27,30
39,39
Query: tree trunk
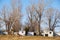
39,23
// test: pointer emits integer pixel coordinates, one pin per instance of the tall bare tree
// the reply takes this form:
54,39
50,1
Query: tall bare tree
15,16
49,14
40,10
36,13
4,15
30,13
12,17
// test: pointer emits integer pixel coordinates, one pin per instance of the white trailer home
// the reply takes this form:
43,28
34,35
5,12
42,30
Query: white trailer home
22,33
58,34
30,34
5,33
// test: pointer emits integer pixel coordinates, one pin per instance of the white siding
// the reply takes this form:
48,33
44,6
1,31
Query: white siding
48,32
30,33
22,33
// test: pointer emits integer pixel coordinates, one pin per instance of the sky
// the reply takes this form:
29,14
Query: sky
54,3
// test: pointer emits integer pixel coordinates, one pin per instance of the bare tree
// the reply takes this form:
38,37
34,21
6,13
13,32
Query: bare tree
12,18
36,12
49,14
39,10
15,16
30,13
4,16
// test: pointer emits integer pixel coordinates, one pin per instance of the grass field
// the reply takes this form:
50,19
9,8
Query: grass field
13,37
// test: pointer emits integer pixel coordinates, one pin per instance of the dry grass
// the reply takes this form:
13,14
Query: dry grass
13,37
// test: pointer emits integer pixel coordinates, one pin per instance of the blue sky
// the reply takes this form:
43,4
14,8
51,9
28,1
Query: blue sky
25,3
54,3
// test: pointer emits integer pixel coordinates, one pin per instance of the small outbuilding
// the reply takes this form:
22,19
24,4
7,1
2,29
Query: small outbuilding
22,33
47,33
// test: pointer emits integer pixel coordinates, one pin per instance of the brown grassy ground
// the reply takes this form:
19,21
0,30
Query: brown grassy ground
12,37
